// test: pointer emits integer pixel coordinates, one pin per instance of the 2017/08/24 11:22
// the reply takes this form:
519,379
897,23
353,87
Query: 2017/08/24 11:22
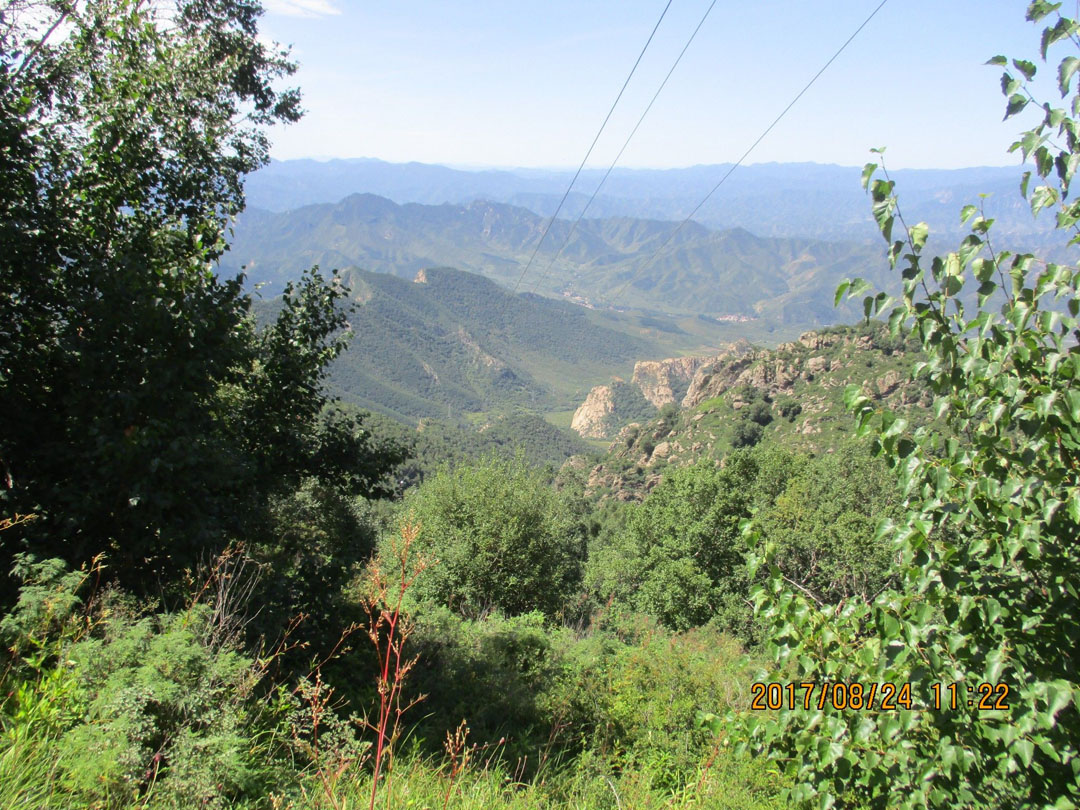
883,696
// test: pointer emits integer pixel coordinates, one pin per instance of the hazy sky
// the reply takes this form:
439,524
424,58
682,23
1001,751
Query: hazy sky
524,83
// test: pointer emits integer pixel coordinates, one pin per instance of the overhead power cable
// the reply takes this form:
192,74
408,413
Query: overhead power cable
592,145
633,132
745,154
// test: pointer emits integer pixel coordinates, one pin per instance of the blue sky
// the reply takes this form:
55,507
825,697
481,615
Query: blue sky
524,83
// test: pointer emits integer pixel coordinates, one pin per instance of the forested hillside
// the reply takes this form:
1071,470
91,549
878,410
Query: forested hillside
449,340
839,572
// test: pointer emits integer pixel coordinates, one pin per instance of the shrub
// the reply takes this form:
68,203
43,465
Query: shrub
745,433
128,703
502,538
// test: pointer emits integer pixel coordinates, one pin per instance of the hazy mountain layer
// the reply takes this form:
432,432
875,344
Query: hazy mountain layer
720,274
774,199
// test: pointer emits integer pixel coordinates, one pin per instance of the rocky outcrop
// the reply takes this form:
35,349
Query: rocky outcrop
655,383
591,419
792,392
776,371
493,364
664,381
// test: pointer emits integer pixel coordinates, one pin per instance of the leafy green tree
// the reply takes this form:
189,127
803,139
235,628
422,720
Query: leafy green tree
140,411
680,556
746,433
820,529
503,538
987,552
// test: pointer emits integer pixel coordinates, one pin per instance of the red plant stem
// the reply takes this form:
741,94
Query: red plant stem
384,707
389,690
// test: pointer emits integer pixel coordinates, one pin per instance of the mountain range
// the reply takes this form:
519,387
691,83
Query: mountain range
773,199
613,262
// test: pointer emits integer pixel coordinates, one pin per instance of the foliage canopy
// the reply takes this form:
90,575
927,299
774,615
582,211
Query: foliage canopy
141,413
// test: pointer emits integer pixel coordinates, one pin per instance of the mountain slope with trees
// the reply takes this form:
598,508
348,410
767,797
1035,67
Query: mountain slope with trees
451,340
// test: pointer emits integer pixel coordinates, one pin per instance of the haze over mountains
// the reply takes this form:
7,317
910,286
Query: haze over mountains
775,199
719,274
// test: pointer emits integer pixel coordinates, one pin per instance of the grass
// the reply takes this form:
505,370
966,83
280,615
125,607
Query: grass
728,783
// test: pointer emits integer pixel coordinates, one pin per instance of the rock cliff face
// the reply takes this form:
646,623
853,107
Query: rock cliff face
776,371
664,381
591,419
655,383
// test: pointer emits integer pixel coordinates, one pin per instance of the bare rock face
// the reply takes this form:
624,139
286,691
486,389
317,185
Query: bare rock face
421,277
479,355
664,381
590,419
713,379
721,370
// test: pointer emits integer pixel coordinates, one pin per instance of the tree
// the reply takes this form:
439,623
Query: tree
820,529
141,412
988,559
679,558
503,539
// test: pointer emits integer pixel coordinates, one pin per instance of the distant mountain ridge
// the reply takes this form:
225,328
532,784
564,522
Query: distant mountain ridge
702,272
773,199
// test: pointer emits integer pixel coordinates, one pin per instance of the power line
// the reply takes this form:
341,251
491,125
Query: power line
592,145
625,144
746,154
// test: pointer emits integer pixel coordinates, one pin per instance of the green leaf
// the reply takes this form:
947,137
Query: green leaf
1016,104
867,173
841,288
1025,67
1066,70
1025,750
983,269
918,234
1038,9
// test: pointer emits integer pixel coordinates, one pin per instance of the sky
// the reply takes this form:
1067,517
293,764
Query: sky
519,83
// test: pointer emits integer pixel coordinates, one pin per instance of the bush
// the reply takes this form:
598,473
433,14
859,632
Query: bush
745,433
123,703
502,538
